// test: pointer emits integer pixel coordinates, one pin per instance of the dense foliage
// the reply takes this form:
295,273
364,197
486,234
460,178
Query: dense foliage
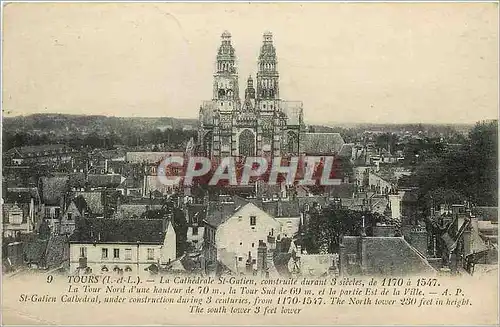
469,172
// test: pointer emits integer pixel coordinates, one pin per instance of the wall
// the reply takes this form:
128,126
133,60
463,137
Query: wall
169,247
238,236
395,203
138,262
198,238
289,226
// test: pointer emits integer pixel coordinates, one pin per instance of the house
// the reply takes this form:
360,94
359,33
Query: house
465,245
20,209
121,245
76,208
233,232
40,154
80,181
320,143
53,190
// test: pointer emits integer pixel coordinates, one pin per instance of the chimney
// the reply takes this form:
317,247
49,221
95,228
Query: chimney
279,208
249,265
261,257
362,254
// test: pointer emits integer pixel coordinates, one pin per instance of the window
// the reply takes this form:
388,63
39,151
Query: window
104,253
83,252
254,261
195,230
151,254
240,258
57,212
253,245
116,253
70,216
272,231
253,220
128,254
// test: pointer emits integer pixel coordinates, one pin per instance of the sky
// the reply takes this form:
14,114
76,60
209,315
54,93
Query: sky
347,62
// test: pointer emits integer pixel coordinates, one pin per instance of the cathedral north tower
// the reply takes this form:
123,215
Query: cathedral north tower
226,89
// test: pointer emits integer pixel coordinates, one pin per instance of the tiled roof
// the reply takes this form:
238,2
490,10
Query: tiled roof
108,180
150,157
310,200
26,150
102,230
93,200
346,150
77,180
21,195
321,143
129,211
131,182
388,256
279,208
218,213
343,191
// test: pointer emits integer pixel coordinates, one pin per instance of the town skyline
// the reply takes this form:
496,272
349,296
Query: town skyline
408,72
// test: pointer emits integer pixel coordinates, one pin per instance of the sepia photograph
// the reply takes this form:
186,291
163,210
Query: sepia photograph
232,163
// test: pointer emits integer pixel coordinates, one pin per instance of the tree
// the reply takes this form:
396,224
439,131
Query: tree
469,172
326,227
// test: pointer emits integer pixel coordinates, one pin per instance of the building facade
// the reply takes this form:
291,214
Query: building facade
262,123
122,245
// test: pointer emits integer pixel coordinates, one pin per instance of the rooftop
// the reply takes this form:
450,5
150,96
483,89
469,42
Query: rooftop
129,231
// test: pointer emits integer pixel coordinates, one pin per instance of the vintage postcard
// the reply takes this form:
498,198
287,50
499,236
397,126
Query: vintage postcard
249,163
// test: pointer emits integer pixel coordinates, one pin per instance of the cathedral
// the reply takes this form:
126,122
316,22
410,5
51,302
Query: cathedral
261,124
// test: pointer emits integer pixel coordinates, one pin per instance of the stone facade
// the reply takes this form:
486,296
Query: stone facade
259,125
